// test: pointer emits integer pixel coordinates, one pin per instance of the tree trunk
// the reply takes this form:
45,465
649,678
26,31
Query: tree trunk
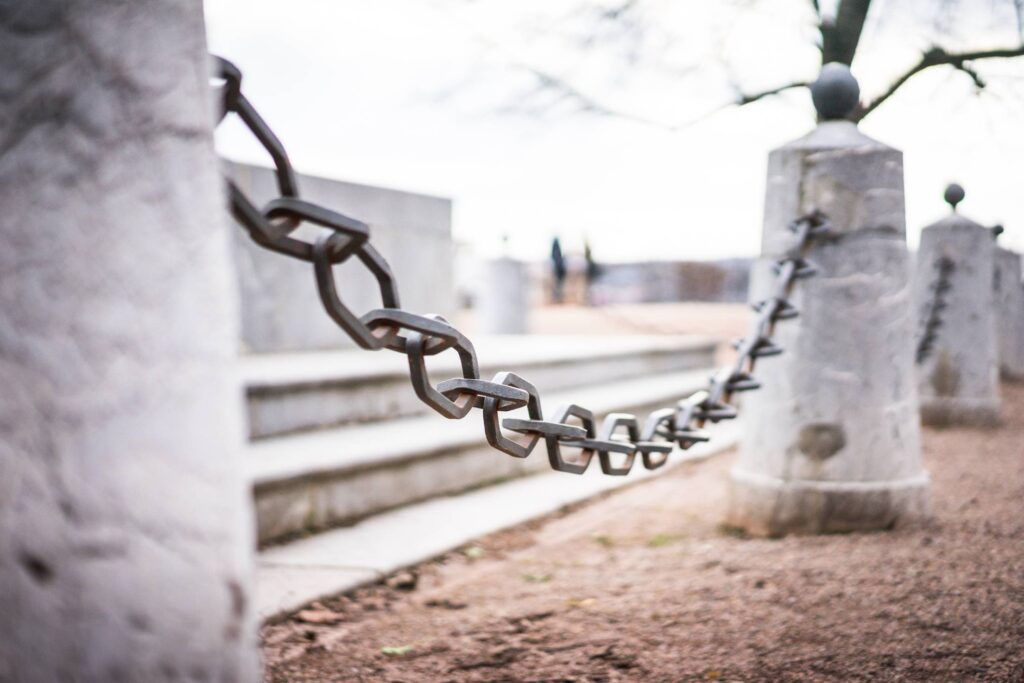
840,39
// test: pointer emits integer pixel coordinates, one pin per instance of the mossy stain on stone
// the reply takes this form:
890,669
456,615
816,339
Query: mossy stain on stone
821,441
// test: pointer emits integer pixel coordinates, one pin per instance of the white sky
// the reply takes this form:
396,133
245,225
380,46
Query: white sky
353,90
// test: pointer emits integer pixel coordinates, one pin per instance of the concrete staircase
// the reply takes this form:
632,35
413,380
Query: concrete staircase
294,574
338,436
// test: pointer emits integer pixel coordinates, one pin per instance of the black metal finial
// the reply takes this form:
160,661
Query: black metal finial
836,93
954,195
997,230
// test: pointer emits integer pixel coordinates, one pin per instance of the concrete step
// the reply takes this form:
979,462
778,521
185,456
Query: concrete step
307,482
297,392
290,576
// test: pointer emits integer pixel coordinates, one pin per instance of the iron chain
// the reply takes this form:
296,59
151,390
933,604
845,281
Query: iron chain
420,336
932,318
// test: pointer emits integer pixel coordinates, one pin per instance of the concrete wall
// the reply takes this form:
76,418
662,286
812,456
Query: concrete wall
725,280
280,308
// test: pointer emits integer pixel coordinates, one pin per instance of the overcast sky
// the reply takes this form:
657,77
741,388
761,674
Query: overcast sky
410,94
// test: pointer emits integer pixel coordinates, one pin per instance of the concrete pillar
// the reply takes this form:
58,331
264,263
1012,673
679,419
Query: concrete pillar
125,522
1009,294
502,297
831,441
958,380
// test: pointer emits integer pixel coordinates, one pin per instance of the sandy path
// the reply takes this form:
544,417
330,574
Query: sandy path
645,585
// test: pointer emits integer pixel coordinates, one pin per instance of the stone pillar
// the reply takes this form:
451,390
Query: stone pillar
502,298
126,532
1009,294
831,441
958,379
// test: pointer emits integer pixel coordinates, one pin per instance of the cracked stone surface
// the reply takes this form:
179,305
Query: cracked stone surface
833,441
125,526
959,381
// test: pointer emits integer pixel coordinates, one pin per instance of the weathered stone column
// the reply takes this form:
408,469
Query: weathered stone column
1009,294
958,378
501,299
125,523
831,441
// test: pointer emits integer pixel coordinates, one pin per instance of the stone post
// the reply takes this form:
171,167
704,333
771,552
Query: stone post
831,441
958,378
501,300
1009,294
126,531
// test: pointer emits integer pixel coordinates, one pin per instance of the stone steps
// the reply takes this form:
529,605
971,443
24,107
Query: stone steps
310,481
290,576
302,392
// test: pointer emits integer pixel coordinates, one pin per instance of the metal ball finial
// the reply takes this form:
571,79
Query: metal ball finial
836,93
954,195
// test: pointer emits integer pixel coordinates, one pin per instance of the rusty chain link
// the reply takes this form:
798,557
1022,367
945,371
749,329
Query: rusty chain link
932,317
421,336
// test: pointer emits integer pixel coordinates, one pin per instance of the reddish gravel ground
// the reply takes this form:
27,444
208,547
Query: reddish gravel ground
721,321
645,584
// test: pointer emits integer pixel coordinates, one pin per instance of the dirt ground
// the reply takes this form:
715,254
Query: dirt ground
645,584
711,319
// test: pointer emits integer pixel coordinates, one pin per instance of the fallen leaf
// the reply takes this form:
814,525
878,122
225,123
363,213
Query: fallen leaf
396,651
536,578
604,540
446,603
732,531
659,540
584,602
403,581
473,552
319,616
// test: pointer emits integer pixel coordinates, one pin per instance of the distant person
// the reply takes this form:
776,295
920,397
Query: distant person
592,272
558,271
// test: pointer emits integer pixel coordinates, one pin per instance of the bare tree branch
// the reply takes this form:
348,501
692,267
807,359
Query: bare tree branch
742,99
840,40
979,82
937,57
616,12
933,57
754,97
566,91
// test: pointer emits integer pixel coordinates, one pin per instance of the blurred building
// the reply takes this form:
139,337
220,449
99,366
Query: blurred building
280,309
723,281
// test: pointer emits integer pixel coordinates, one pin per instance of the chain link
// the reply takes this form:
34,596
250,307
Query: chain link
420,336
932,318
